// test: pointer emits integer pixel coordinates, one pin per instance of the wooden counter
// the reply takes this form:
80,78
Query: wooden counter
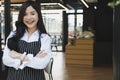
79,51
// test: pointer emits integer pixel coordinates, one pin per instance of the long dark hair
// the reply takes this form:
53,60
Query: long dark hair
20,26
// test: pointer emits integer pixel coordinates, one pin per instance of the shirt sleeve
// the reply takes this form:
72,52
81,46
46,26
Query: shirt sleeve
41,63
7,60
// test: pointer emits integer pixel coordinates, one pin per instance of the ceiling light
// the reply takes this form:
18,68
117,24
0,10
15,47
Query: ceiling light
85,3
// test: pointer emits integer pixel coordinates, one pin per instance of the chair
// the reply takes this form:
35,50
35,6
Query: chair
48,69
54,43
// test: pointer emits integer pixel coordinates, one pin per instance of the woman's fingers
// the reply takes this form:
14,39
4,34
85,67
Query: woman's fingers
41,54
42,51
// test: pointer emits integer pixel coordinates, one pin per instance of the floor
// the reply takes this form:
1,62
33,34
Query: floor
61,71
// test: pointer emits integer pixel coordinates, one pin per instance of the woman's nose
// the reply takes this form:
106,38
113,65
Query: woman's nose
28,16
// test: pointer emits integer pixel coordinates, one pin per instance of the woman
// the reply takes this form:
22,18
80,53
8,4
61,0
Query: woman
28,49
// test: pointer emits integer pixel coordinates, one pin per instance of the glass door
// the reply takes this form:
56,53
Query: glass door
75,24
53,23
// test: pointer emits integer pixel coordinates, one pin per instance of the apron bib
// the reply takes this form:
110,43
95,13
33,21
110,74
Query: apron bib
27,73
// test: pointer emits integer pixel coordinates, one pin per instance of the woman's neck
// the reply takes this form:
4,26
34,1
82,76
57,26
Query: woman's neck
30,31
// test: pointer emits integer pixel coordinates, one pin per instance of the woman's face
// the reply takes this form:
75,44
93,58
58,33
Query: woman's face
30,18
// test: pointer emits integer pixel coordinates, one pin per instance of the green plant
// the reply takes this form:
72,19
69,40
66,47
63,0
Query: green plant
114,3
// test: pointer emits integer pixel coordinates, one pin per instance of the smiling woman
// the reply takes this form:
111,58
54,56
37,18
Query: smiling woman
30,19
28,49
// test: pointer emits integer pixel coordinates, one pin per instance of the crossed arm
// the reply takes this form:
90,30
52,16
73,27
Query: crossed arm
23,57
17,60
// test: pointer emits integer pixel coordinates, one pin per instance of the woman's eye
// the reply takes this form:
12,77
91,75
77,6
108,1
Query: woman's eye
32,13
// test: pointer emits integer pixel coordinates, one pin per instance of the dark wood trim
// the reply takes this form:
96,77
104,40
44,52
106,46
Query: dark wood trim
7,18
116,44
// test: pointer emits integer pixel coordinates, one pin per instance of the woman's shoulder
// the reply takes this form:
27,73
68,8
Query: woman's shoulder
44,35
12,33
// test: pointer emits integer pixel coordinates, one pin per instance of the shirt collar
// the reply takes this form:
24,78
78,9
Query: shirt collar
36,33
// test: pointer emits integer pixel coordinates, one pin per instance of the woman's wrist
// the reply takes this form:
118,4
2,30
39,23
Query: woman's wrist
27,58
22,56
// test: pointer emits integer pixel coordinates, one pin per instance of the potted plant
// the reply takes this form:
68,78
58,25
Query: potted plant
114,3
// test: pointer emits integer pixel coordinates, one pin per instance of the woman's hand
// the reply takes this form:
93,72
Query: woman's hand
41,54
25,59
15,54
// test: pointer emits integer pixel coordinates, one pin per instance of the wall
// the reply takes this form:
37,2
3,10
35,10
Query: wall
102,24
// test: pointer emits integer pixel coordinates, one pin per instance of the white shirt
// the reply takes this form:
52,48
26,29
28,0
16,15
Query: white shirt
35,62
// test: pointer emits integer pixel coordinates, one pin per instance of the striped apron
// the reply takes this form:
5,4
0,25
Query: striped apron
27,73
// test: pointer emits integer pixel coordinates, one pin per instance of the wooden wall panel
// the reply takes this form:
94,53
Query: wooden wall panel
16,1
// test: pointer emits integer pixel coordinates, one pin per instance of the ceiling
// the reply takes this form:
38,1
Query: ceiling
70,4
